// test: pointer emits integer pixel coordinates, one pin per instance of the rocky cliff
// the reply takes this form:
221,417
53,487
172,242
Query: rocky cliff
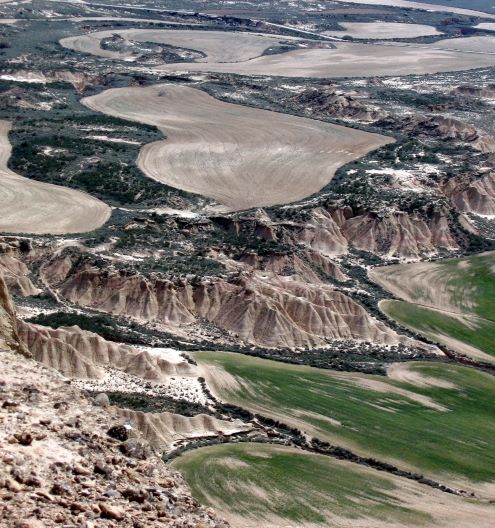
336,103
65,461
264,309
473,195
9,335
80,354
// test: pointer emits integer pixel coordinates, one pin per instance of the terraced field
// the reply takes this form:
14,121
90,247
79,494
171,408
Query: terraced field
449,301
249,483
241,157
28,206
435,418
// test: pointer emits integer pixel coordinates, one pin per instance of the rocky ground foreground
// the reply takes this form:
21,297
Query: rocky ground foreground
65,461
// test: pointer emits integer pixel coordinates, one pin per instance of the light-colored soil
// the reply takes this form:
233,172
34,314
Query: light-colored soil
241,157
241,53
350,60
219,46
383,30
385,388
420,5
406,373
487,26
29,206
470,44
422,283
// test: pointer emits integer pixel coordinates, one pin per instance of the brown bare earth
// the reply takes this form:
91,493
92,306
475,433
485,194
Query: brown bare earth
263,309
241,157
29,206
383,30
241,53
219,46
420,5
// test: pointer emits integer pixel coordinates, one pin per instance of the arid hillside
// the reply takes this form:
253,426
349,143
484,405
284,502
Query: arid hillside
65,460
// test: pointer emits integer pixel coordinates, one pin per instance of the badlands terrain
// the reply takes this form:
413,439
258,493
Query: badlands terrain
247,264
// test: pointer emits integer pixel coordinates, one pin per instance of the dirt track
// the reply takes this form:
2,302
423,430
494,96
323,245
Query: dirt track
241,157
29,206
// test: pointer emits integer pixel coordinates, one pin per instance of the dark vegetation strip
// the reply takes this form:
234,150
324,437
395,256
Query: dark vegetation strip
279,433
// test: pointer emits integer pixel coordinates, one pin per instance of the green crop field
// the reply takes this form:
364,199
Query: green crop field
440,326
441,426
456,286
280,485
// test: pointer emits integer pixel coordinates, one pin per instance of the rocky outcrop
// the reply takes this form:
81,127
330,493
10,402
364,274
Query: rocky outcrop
329,231
468,90
321,232
265,310
399,234
80,81
16,275
477,196
284,264
325,264
164,429
62,463
13,268
449,128
335,103
80,354
9,335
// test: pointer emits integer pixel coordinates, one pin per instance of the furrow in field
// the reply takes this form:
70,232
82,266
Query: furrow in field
241,157
29,206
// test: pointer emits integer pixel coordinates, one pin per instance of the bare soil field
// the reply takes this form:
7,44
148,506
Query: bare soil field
487,26
219,46
353,60
29,206
469,44
420,5
383,30
241,53
241,157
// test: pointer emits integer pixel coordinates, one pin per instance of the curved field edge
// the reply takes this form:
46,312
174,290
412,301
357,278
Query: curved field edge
441,427
284,486
273,486
450,301
471,336
241,157
29,206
